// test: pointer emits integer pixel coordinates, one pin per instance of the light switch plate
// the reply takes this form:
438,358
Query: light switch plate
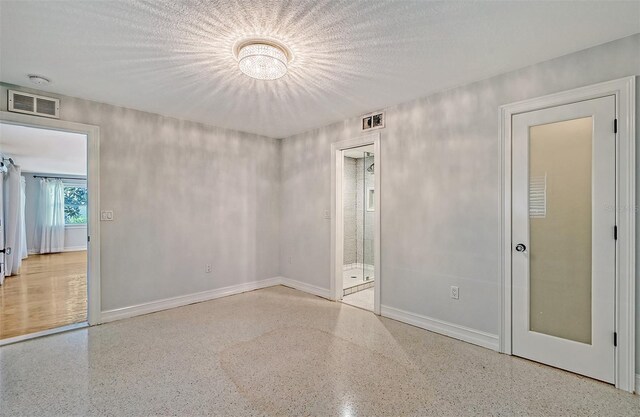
106,215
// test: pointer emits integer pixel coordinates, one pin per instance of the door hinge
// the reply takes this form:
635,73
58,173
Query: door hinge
615,232
88,238
615,125
615,339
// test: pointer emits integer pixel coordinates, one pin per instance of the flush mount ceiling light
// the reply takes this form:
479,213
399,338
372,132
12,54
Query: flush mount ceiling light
262,59
38,79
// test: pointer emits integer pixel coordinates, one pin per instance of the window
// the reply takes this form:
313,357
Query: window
75,204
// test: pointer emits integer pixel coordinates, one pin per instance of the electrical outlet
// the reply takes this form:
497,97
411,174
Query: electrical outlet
326,214
207,268
106,215
455,292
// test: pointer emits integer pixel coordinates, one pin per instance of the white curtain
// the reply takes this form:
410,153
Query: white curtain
49,224
14,221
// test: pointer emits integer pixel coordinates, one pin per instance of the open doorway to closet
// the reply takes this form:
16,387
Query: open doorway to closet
44,212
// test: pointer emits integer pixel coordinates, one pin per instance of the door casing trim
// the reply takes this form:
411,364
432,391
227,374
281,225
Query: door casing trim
624,91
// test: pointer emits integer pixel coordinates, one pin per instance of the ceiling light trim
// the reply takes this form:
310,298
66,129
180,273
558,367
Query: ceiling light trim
262,59
238,45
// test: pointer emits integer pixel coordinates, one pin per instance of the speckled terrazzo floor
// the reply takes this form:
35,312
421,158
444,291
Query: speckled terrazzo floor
281,352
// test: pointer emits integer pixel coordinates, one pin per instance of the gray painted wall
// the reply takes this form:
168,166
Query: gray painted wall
440,191
183,195
75,238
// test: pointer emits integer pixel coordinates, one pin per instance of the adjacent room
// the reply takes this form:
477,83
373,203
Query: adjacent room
319,208
358,188
44,283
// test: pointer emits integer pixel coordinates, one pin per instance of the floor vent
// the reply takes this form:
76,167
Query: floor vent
20,102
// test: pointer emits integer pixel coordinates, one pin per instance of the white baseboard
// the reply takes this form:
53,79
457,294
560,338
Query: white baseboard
308,288
66,249
476,337
173,302
75,248
466,334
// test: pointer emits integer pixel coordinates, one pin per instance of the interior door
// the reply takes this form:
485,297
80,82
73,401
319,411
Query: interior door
563,243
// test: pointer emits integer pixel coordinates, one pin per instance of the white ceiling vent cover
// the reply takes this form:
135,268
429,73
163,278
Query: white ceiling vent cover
20,102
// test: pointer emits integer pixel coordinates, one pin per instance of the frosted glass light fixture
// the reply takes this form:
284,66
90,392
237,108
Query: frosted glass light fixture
263,60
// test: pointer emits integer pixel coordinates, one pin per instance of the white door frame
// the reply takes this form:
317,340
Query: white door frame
337,221
93,186
624,92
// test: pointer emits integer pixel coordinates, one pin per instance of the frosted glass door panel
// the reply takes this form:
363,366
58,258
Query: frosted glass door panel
560,156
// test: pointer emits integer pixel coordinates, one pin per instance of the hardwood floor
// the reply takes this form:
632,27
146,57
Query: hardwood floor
49,292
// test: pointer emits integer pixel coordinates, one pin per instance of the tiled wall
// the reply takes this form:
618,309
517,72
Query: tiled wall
358,222
364,218
349,205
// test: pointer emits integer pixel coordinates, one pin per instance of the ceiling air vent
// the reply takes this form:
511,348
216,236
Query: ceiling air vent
27,103
372,121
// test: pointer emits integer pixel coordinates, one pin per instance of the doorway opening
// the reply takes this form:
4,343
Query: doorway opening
46,211
356,222
358,190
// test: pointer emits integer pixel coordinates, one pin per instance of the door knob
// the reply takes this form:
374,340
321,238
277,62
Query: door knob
521,247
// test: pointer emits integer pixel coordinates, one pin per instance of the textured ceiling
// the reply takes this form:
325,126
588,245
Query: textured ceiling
351,57
44,151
